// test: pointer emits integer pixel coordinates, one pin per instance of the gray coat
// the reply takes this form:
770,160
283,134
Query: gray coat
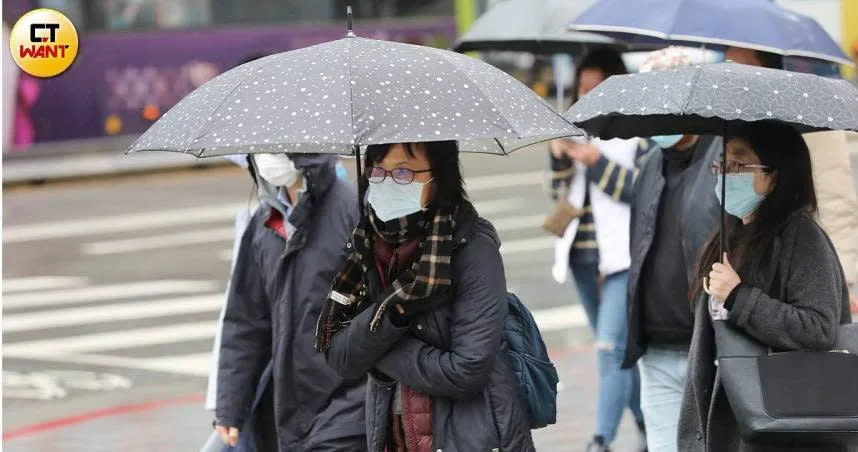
698,219
454,353
276,294
815,301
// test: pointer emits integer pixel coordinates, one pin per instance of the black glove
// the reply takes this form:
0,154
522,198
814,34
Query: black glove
416,309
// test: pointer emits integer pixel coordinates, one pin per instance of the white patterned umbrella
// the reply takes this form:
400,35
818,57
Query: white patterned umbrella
707,99
336,96
704,99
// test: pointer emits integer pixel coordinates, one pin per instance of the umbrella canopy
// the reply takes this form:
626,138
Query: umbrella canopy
336,96
753,24
705,99
536,26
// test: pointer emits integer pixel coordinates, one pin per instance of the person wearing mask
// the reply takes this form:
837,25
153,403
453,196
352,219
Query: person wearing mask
673,212
273,391
596,246
420,307
832,174
775,248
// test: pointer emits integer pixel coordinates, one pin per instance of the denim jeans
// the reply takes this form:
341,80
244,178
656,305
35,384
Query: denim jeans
663,373
618,388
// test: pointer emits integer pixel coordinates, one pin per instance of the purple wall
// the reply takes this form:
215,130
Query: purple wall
118,73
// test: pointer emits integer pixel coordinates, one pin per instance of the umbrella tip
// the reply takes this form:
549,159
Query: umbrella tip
349,33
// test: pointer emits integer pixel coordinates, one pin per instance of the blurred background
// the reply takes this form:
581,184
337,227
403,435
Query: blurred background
114,267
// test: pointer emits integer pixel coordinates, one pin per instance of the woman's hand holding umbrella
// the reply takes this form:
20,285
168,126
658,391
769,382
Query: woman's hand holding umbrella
722,280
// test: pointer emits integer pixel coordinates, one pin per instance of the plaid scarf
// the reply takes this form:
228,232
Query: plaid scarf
427,275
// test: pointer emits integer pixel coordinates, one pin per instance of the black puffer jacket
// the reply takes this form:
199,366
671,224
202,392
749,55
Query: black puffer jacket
454,353
276,294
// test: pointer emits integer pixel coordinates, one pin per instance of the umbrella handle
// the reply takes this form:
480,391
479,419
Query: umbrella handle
358,173
723,176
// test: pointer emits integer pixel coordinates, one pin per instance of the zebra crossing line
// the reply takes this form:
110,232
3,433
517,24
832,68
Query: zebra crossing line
44,317
102,344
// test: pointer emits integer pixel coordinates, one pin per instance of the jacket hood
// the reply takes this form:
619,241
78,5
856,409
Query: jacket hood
319,173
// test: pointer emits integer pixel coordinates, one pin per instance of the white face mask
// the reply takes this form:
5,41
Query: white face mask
390,200
276,169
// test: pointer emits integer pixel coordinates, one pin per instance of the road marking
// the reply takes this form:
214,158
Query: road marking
504,180
199,364
560,318
85,295
42,283
158,241
52,384
511,247
120,223
100,314
518,222
216,235
194,215
113,340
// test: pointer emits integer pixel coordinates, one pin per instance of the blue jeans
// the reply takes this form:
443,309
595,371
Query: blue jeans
663,373
618,388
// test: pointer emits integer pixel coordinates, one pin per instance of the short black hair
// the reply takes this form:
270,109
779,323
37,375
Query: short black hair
443,159
606,59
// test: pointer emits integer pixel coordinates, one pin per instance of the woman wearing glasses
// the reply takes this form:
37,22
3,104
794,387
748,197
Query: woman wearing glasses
420,307
780,282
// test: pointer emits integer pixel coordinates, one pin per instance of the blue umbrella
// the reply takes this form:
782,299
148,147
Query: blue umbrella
753,24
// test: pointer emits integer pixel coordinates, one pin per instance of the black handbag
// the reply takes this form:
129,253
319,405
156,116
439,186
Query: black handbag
790,397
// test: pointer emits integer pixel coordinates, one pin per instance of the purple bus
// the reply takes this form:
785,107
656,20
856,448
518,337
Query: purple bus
137,58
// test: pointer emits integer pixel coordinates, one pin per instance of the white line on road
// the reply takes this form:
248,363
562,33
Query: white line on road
42,283
199,364
216,235
504,180
85,295
511,247
79,349
155,242
119,223
560,318
518,222
100,314
195,215
115,339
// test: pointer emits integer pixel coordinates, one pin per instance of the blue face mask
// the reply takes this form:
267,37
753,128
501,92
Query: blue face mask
390,200
666,141
742,199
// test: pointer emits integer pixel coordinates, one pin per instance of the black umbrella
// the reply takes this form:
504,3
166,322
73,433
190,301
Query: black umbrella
707,99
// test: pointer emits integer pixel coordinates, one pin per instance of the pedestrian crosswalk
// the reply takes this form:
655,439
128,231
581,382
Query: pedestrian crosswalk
168,324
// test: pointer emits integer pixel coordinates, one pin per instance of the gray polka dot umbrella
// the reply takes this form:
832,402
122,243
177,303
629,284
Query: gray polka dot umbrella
707,99
336,96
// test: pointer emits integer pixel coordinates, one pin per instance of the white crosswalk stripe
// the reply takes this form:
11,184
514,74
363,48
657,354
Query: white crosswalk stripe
167,326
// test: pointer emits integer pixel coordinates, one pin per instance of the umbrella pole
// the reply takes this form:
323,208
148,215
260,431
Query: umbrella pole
359,178
723,193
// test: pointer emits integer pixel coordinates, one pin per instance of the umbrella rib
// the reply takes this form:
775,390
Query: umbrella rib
195,136
693,82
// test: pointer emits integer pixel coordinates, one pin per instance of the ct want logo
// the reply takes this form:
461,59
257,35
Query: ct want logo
44,42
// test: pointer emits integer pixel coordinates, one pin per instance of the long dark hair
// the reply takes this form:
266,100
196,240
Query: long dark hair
781,148
605,59
443,158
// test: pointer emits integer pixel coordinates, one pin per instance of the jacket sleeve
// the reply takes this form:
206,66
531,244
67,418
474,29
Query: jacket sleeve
616,180
562,170
355,349
476,331
809,318
246,337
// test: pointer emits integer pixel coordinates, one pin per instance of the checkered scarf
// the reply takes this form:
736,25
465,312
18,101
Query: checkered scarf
428,274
